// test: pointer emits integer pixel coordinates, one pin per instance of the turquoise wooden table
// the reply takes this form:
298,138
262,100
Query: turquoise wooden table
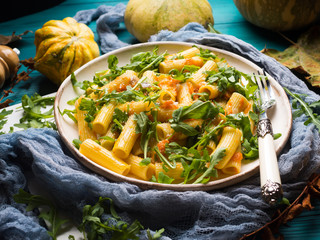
227,20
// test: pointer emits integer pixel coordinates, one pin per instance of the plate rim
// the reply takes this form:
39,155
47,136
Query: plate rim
216,184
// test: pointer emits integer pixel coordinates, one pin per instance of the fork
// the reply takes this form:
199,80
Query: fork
271,188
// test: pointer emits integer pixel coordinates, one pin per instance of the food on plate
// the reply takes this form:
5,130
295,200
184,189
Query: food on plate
182,118
9,62
164,15
62,46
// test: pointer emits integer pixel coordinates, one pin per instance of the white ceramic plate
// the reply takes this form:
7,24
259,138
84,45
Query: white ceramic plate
280,116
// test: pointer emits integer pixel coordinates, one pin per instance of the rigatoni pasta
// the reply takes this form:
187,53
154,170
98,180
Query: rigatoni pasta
169,118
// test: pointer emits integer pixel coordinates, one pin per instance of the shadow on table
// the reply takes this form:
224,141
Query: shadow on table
23,8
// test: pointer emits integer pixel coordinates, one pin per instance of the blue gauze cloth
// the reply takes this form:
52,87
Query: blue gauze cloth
228,213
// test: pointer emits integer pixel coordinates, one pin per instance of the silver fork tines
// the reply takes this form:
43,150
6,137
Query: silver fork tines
266,91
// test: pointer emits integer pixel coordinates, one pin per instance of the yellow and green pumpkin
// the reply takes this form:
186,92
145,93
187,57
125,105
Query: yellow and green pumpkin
62,46
144,18
279,15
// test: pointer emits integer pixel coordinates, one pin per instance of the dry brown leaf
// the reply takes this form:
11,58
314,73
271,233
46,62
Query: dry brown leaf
4,40
302,57
306,202
293,212
6,103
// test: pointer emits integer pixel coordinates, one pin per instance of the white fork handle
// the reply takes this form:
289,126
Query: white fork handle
271,188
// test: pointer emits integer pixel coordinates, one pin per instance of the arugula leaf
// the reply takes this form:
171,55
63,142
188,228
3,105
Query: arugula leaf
163,178
157,234
119,118
143,126
107,138
89,106
96,225
184,128
115,71
198,110
139,62
164,159
305,108
76,143
207,54
185,73
147,128
144,61
70,114
250,149
229,78
211,172
3,114
35,201
193,161
33,115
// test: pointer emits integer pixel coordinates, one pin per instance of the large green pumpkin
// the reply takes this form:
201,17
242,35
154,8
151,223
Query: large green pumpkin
144,18
279,15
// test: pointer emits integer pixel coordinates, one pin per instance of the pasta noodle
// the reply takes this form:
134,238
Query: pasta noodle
107,143
175,173
126,140
103,157
103,119
201,74
184,94
144,172
230,140
234,165
211,90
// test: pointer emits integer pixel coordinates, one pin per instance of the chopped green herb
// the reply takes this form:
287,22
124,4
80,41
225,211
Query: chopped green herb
76,143
3,114
119,119
211,171
162,178
35,112
35,201
304,108
198,110
147,128
95,224
107,138
97,220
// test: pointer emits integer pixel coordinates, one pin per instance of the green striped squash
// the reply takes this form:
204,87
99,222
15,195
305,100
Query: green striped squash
279,15
144,18
62,46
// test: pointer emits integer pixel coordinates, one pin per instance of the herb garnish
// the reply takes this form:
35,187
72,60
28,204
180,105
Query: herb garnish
229,78
51,215
95,220
198,110
139,62
3,114
211,171
147,128
119,118
305,108
33,115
